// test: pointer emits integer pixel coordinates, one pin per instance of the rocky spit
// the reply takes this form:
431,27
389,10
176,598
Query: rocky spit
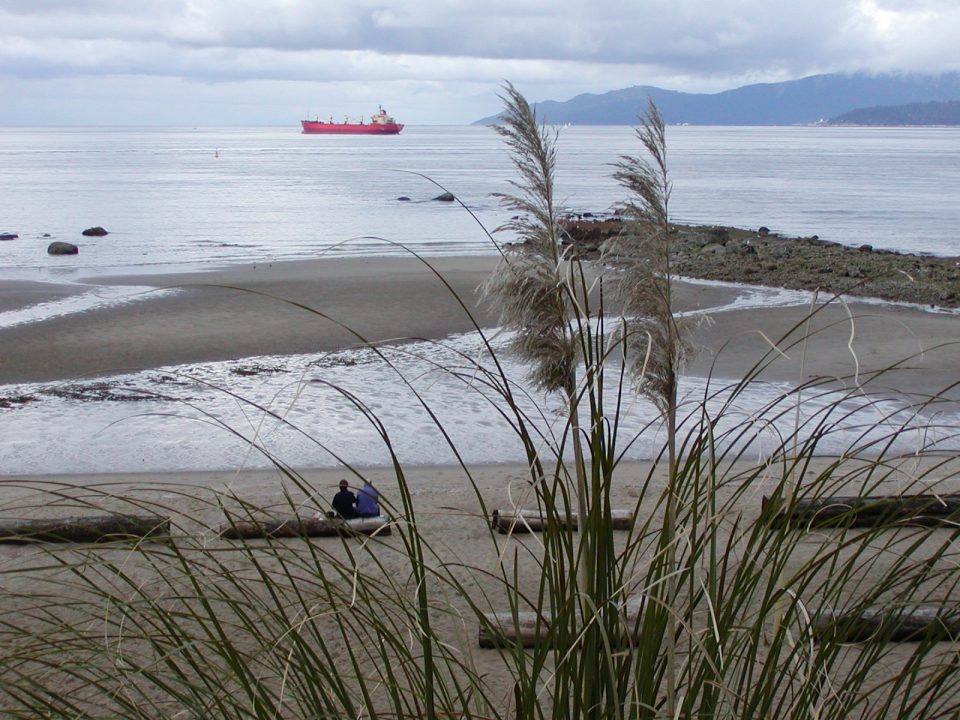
759,257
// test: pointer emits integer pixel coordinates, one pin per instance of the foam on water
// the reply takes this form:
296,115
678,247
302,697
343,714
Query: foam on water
322,411
102,296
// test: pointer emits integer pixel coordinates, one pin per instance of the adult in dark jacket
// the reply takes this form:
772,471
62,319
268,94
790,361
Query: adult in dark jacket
345,502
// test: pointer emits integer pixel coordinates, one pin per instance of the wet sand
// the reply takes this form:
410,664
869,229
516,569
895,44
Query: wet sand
245,311
321,305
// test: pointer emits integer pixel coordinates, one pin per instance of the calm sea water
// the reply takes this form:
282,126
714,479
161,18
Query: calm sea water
208,196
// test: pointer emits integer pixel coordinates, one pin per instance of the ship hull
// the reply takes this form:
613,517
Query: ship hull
312,127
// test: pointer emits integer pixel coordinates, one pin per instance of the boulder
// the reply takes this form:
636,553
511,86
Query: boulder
445,197
62,248
763,231
94,232
718,235
8,236
713,249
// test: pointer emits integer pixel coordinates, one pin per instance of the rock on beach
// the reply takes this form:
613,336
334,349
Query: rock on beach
62,248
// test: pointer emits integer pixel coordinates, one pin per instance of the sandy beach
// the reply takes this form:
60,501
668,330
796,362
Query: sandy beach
261,309
208,318
248,311
452,510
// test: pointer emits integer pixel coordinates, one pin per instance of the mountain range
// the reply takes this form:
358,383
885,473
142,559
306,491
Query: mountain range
795,102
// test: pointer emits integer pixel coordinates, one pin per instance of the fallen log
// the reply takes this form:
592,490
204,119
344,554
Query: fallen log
298,527
100,528
501,630
906,624
866,511
524,521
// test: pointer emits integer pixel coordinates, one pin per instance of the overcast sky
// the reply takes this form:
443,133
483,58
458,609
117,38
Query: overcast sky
266,62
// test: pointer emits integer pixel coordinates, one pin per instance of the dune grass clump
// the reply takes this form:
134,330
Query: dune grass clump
712,605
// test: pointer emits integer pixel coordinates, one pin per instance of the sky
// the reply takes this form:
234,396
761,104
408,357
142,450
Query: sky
273,62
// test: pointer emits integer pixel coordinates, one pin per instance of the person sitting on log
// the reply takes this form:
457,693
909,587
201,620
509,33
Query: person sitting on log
344,502
368,501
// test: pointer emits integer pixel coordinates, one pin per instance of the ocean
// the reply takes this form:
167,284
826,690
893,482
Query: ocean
195,198
199,197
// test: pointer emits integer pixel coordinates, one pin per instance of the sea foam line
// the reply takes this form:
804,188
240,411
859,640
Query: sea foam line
103,296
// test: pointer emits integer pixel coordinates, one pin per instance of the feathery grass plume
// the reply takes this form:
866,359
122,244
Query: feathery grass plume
656,341
534,286
528,287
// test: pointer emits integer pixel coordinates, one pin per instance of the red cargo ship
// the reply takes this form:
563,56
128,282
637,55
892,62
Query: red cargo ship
380,124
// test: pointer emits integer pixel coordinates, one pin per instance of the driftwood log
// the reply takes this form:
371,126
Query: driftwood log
297,527
907,624
100,528
523,521
866,511
500,629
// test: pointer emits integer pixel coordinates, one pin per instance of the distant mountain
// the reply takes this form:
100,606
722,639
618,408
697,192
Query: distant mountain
928,113
796,102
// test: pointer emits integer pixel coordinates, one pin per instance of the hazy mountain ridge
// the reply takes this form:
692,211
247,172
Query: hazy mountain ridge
795,102
927,113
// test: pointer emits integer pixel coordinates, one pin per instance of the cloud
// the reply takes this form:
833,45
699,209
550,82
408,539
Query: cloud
557,46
